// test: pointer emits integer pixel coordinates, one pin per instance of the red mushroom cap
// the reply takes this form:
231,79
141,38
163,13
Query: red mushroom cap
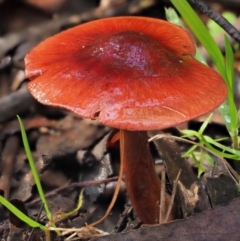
131,73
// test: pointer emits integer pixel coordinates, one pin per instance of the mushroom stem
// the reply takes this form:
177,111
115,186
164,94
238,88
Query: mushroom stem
142,183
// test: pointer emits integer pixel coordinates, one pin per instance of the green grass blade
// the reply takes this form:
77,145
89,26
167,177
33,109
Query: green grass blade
199,164
189,133
229,62
34,169
221,146
201,32
207,143
20,214
228,109
204,125
79,205
189,151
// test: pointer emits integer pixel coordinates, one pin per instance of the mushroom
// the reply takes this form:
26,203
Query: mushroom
131,73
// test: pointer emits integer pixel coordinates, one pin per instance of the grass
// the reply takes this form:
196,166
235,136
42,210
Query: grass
34,169
51,219
13,209
228,109
205,144
32,223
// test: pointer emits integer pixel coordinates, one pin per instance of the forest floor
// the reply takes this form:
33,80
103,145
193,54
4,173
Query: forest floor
72,153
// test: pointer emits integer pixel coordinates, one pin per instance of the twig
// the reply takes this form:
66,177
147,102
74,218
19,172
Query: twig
218,18
162,206
173,196
229,3
220,41
78,184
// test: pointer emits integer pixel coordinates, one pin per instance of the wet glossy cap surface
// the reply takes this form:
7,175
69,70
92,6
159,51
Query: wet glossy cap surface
131,73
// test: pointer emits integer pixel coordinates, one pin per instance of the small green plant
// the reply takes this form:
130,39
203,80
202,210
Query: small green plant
228,109
199,151
34,169
52,219
13,209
